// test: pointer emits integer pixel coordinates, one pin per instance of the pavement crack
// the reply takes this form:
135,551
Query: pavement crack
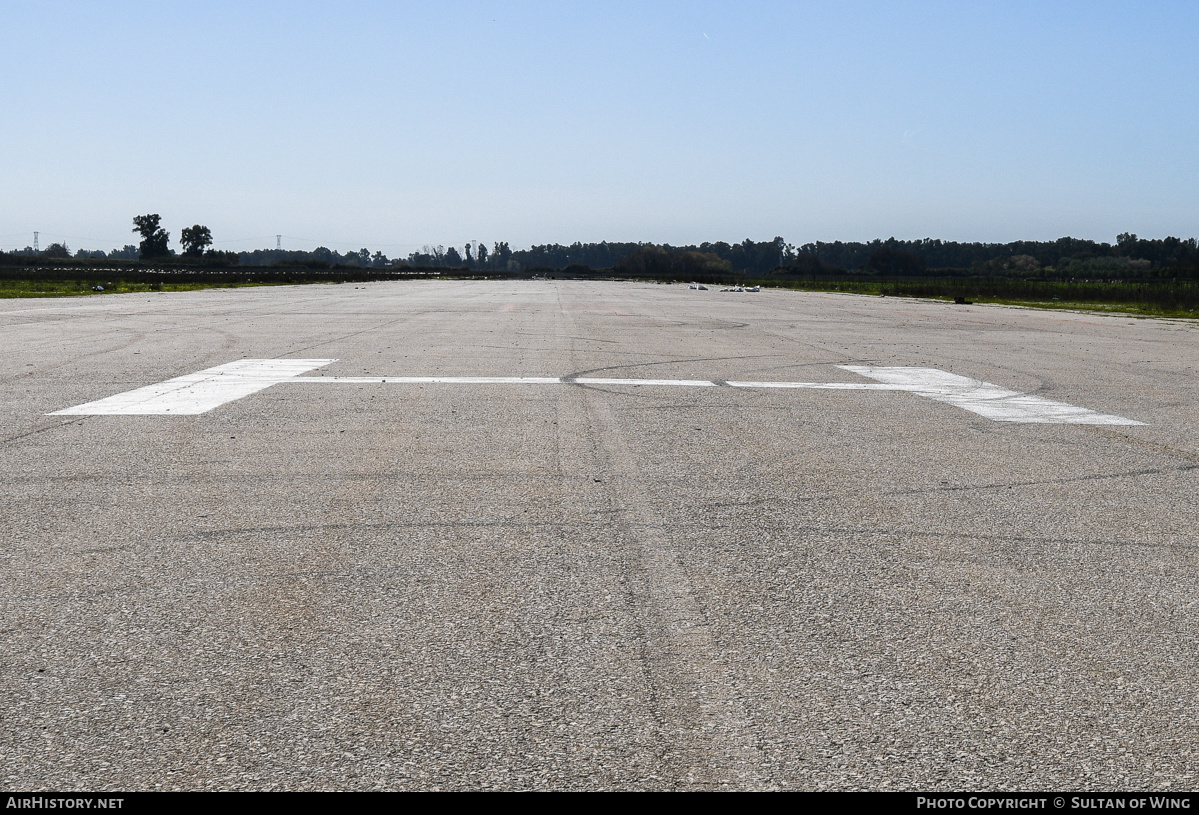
1182,468
674,361
41,428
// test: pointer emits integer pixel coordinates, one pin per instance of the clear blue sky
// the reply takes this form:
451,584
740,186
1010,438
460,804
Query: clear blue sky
391,125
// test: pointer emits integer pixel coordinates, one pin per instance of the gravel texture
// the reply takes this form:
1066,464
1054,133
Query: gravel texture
576,587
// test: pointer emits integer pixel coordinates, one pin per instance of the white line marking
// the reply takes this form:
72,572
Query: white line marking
985,399
201,392
823,386
503,380
430,380
685,383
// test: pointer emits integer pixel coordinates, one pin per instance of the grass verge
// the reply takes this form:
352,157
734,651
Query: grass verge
72,288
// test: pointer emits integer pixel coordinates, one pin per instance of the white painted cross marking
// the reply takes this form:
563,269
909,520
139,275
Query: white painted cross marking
985,399
201,392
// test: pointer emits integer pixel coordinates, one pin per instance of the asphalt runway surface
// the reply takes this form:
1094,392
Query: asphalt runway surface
354,584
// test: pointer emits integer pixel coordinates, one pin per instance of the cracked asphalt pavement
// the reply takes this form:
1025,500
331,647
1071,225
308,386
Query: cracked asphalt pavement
429,586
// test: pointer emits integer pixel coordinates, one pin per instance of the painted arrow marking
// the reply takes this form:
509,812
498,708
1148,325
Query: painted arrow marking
202,391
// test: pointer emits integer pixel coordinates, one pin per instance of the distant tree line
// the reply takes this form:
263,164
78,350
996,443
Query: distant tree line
1129,254
154,245
62,251
1128,257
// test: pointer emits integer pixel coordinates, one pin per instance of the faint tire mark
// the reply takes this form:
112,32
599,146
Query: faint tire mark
710,739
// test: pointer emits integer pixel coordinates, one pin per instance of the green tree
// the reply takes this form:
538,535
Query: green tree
195,239
154,237
1127,243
